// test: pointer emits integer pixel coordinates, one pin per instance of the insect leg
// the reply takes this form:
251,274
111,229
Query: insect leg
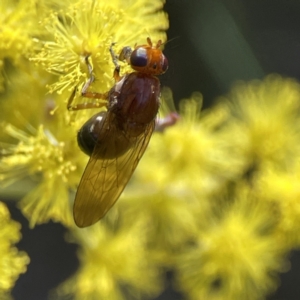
167,121
114,57
89,104
125,54
85,93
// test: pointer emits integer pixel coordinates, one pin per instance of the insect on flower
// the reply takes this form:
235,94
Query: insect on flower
116,139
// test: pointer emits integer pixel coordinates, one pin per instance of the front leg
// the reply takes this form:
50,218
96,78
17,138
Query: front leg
87,94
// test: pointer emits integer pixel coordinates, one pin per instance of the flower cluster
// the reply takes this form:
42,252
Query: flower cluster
12,261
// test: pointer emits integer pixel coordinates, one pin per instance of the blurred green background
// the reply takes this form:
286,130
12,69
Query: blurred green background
214,43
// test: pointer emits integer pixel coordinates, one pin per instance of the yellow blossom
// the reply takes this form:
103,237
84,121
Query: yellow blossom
88,28
265,113
25,104
51,163
281,188
193,154
235,255
18,23
115,264
12,261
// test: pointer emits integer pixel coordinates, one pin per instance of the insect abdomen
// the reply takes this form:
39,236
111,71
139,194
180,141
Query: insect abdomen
98,130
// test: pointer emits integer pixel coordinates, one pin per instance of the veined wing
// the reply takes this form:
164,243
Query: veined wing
104,179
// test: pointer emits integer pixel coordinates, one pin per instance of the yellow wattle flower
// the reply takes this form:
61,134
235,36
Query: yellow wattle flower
12,261
281,189
235,254
88,28
265,113
114,264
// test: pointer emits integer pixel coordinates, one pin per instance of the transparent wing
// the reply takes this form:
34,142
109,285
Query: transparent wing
104,179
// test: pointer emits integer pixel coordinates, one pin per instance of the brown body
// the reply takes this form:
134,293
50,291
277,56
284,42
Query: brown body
116,139
135,102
